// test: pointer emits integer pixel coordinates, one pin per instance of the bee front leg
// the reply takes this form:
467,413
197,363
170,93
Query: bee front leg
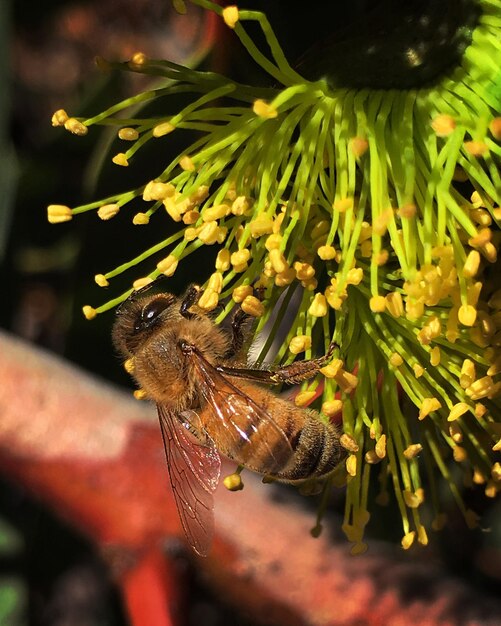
237,333
289,374
190,298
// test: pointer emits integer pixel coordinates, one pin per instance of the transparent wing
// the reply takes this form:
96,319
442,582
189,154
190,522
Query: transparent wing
194,473
245,430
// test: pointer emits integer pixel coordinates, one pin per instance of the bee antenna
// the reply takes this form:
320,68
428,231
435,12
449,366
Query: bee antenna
138,292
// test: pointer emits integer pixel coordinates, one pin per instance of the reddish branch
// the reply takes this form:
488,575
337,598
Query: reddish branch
95,456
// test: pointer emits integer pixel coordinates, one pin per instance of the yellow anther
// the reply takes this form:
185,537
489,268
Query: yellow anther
395,304
230,15
208,233
457,410
455,432
240,257
351,465
326,253
459,454
377,304
472,264
208,300
495,128
371,457
304,271
139,283
186,163
241,205
483,236
412,451
342,205
320,228
162,129
101,280
318,306
278,261
59,117
223,260
215,282
191,233
233,482
428,405
285,278
273,241
299,343
407,211
156,190
467,314
89,312
408,539
480,388
413,500
359,146
191,217
241,292
76,127
396,360
468,373
59,213
138,58
380,224
253,306
264,109
435,356
262,225
380,447
332,407
168,265
303,398
443,125
332,369
334,299
476,148
349,443
140,394
347,381
120,159
128,134
140,219
212,213
418,370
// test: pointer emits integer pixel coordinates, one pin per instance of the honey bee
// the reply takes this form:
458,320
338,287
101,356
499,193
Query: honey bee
208,406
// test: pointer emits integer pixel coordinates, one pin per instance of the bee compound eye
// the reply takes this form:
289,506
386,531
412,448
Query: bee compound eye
153,309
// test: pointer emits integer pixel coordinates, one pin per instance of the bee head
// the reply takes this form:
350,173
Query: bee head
137,318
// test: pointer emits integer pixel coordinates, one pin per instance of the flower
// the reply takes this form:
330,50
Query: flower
380,208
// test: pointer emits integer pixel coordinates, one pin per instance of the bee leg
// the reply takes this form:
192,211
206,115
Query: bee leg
238,335
189,299
289,374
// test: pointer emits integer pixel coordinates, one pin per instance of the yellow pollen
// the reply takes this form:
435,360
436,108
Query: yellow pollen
413,500
412,451
299,343
371,457
140,394
264,109
407,211
253,306
101,280
191,217
128,134
240,257
156,190
59,213
75,127
483,236
381,447
422,536
354,276
428,405
215,282
346,381
138,58
304,271
455,432
230,16
59,117
318,306
459,454
396,360
107,211
332,407
332,369
162,129
140,219
480,388
241,292
89,312
273,241
496,471
168,265
208,233
120,159
418,370
333,298
241,205
129,365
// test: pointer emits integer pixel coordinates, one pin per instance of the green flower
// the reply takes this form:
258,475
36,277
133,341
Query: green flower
378,210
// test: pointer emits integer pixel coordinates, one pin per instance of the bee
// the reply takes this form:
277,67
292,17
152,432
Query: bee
208,406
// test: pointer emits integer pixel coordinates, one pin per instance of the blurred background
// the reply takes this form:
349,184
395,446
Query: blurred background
49,574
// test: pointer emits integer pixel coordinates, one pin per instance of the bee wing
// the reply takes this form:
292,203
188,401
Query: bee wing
247,431
194,473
